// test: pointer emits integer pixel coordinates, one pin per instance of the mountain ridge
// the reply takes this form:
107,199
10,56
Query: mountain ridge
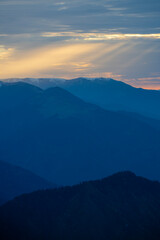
90,210
108,93
64,139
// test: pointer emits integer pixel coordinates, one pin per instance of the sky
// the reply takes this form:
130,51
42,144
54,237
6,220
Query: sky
117,39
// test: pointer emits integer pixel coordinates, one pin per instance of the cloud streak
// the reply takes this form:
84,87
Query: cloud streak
98,36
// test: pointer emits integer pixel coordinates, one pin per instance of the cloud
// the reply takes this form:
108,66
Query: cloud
99,36
5,53
146,79
49,58
147,83
21,2
104,75
45,15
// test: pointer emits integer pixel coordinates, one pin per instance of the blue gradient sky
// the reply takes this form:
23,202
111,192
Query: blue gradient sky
72,38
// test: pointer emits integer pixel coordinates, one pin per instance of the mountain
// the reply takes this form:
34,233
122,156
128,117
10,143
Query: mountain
109,94
119,207
65,140
17,94
15,181
22,97
58,102
116,95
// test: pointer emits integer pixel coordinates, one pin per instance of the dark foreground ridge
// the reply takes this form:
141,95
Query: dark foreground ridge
120,207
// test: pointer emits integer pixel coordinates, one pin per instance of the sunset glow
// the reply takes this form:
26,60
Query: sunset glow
81,38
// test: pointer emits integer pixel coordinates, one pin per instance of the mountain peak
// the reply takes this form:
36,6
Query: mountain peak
126,174
56,90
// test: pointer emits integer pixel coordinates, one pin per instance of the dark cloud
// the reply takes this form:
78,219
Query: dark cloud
38,16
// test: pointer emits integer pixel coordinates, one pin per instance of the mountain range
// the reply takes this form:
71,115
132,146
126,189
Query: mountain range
119,207
65,140
75,131
107,93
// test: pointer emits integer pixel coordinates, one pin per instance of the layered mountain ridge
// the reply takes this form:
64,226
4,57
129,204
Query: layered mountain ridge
61,138
107,93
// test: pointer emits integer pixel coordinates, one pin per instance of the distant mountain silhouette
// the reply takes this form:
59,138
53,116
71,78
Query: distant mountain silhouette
120,207
109,94
56,101
15,181
65,140
116,95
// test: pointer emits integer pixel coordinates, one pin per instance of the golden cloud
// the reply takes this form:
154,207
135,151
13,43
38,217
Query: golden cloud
5,53
100,36
34,62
